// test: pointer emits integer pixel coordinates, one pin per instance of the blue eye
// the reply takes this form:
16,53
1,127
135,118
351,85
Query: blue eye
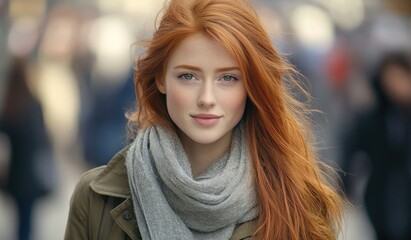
186,76
229,78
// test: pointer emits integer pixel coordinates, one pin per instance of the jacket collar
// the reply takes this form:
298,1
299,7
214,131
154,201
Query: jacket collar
113,180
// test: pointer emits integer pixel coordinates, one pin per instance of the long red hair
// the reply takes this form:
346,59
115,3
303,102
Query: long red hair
295,201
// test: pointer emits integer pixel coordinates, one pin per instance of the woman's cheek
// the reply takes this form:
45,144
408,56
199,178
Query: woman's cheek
236,102
177,99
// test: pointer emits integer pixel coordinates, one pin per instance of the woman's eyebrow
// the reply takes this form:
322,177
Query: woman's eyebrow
184,66
227,69
194,68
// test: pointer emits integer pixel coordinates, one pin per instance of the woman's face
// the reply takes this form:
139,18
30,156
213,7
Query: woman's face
204,90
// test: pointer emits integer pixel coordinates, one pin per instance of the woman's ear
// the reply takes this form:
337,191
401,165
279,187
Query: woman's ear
161,85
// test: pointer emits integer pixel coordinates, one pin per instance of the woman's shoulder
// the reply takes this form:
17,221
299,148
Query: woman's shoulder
110,179
82,189
79,202
87,177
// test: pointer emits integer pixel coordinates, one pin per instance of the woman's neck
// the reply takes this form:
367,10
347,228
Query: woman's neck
201,156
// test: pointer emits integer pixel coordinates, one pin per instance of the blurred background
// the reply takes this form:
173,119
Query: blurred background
66,82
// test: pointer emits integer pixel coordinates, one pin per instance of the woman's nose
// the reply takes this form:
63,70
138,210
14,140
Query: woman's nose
206,97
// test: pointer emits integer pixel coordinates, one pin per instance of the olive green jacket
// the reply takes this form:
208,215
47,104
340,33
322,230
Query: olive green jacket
101,206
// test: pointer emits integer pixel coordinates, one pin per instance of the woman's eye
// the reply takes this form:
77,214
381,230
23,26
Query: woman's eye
186,76
229,78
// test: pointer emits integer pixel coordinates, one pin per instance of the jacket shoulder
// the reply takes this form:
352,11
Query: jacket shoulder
110,179
82,190
244,231
77,223
87,177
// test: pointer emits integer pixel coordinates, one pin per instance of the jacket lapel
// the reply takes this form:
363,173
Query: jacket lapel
113,183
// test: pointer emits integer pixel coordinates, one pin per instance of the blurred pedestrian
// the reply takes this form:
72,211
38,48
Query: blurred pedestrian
31,164
383,135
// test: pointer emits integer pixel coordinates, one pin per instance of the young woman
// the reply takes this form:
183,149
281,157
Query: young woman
222,150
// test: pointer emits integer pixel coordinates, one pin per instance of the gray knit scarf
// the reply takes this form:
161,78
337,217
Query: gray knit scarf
170,204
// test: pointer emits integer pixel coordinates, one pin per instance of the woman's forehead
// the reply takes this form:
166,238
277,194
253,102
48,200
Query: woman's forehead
201,50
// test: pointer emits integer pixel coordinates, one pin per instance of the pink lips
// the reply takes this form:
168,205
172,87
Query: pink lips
206,120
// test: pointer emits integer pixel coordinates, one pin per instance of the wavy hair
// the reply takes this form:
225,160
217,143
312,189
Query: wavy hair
295,200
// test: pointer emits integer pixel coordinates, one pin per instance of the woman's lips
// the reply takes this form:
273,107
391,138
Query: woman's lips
206,120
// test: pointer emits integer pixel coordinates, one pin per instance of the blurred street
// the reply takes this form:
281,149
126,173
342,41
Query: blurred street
66,71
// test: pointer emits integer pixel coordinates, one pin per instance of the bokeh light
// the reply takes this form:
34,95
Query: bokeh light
313,27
